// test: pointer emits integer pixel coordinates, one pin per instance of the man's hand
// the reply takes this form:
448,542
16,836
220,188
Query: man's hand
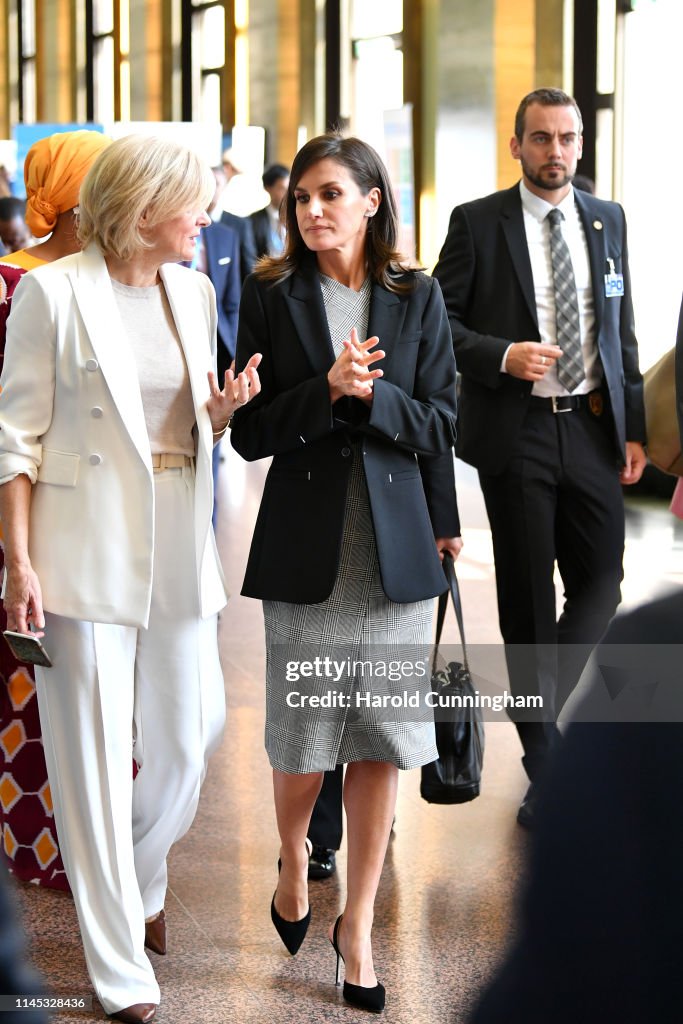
636,460
453,545
531,360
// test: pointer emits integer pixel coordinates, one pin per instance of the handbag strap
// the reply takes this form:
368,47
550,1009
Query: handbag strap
454,592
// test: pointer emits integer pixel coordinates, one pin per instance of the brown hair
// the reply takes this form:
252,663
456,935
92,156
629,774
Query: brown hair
385,262
545,98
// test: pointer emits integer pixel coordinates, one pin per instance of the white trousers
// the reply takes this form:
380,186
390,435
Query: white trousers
114,693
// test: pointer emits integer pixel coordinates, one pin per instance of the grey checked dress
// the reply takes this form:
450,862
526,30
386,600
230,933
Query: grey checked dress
367,647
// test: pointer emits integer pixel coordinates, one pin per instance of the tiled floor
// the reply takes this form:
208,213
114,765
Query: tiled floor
447,892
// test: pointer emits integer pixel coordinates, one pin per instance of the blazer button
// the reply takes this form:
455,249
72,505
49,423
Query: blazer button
92,365
96,412
346,452
95,460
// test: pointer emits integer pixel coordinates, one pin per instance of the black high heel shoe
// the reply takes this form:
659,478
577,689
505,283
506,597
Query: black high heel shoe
292,933
361,996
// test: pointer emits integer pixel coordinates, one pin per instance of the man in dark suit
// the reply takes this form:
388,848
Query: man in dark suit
269,232
551,411
240,225
598,929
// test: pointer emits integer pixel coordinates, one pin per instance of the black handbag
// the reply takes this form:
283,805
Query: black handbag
455,777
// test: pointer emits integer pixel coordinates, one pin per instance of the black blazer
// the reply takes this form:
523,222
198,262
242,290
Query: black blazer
407,436
485,274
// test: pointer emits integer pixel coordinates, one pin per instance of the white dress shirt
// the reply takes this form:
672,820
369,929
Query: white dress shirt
537,228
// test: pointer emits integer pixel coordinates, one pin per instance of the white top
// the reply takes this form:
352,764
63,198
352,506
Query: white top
537,228
162,371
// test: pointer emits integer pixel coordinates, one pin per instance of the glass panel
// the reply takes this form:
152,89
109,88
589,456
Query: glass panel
103,78
211,98
378,86
212,30
28,28
103,16
369,19
29,84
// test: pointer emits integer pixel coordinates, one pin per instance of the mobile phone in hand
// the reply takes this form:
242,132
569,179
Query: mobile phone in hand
27,648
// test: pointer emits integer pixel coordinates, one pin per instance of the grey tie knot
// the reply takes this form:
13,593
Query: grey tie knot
555,216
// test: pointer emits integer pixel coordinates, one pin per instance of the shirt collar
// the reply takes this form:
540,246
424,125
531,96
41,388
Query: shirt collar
540,208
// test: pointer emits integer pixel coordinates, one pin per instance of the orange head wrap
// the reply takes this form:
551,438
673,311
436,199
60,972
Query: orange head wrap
54,170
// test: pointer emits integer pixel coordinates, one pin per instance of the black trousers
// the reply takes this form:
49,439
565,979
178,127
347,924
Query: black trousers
558,502
326,826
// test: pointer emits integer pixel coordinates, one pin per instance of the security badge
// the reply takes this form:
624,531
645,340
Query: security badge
595,403
614,283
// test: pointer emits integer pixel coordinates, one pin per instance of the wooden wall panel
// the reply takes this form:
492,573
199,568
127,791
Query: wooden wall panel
515,74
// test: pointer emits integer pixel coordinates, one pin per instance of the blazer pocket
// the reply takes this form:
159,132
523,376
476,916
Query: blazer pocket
410,339
60,468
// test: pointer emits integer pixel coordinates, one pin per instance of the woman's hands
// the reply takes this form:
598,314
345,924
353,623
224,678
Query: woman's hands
453,545
23,600
237,391
351,374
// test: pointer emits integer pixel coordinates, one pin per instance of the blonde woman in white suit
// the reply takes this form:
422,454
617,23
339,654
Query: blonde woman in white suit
108,414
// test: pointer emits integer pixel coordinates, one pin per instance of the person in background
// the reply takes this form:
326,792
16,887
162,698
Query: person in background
240,225
218,256
584,183
269,229
54,170
109,411
598,931
677,500
16,979
14,234
536,283
358,410
326,827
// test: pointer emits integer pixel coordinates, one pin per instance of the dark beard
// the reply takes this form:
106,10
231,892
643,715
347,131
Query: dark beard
549,184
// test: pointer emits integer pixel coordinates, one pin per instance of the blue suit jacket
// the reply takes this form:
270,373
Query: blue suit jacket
222,248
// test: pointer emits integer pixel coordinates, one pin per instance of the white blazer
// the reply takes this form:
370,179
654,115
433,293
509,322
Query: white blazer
71,418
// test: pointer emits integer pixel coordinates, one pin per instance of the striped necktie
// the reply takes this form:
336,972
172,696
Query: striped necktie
570,369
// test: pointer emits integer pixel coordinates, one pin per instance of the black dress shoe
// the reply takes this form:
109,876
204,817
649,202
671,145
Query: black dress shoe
322,863
526,815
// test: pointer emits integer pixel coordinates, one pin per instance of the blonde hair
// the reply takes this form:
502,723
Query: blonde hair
139,175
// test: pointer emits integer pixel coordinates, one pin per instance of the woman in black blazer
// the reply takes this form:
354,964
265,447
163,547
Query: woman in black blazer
357,409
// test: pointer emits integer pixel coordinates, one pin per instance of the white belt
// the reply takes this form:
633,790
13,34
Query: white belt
166,460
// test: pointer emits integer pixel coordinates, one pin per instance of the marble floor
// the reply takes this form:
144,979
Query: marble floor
446,898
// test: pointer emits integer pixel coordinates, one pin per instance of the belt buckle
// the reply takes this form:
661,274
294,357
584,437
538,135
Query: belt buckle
556,408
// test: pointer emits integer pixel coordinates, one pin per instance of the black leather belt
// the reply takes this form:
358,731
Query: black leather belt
593,401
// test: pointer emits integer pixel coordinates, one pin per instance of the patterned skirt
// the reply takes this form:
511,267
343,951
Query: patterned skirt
346,679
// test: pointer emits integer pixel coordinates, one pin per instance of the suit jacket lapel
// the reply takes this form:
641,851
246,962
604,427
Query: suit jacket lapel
512,220
594,230
304,300
387,313
97,305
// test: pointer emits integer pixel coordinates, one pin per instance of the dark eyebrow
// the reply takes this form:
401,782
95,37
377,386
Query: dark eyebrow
328,184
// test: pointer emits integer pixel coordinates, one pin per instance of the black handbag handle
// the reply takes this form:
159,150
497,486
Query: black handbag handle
454,592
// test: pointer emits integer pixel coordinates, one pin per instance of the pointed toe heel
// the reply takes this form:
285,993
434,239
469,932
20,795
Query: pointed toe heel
292,933
361,996
371,999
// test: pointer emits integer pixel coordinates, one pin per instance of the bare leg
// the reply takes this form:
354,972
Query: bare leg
370,791
295,796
